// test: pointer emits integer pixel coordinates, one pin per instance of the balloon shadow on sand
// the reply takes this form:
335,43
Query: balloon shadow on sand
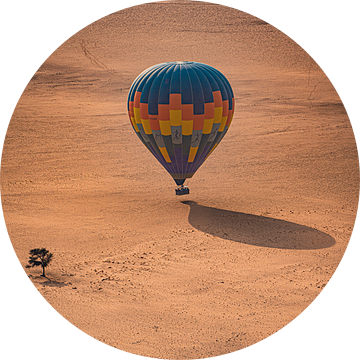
256,230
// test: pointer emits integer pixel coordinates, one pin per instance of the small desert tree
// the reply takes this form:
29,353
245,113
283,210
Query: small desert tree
40,257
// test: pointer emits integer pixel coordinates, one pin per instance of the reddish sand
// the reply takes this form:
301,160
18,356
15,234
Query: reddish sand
270,212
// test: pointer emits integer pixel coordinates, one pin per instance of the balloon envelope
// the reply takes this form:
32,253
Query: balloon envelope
181,111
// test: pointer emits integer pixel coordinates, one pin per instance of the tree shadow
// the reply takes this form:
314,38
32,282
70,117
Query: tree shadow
45,281
54,283
256,230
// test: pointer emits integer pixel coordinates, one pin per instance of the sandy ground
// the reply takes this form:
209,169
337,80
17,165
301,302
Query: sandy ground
270,212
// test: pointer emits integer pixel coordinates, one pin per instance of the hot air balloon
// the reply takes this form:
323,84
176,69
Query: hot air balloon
180,111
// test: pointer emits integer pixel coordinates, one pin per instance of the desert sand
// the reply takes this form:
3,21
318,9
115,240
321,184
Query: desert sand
269,215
